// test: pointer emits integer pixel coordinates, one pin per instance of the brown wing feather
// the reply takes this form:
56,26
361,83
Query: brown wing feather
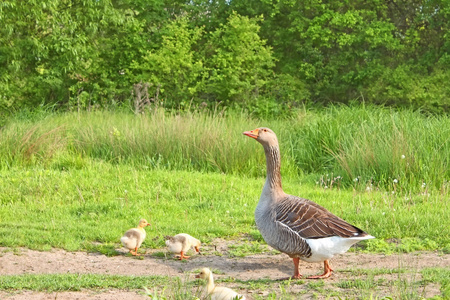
311,220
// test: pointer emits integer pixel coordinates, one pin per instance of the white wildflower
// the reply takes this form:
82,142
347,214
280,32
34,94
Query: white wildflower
403,156
395,181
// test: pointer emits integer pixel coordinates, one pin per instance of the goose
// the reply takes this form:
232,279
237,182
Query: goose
133,238
217,292
296,226
181,243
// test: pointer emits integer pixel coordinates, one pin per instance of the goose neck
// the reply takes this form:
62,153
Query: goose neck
273,163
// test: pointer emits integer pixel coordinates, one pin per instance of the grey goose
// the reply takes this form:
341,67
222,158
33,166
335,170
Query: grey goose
296,226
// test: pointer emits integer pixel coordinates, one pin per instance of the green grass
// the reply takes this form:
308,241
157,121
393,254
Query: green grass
78,181
439,275
77,282
91,207
360,147
399,284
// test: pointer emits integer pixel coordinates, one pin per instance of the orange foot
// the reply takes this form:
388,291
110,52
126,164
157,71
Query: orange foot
297,274
181,256
134,252
326,273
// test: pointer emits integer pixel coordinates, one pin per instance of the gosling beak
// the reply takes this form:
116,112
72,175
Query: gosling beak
253,134
197,276
197,249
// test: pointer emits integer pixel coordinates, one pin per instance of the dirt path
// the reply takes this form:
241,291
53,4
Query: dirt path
273,266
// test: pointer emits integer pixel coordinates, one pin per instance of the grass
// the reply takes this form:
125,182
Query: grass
91,207
399,284
77,282
360,147
440,275
78,181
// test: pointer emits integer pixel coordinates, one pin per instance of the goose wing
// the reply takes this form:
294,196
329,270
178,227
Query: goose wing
311,221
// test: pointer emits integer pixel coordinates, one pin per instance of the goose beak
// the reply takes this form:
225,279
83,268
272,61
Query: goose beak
253,134
197,276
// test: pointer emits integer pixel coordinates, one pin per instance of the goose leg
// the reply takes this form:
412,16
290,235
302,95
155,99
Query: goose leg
326,272
297,274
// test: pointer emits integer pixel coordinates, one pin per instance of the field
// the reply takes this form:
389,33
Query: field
73,183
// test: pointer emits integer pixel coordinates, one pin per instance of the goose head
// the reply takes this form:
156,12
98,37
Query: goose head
263,135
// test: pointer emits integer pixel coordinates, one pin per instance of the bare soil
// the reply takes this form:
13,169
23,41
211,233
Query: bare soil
214,256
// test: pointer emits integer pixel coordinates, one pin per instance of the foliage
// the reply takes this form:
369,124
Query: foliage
174,66
240,62
48,47
263,56
346,50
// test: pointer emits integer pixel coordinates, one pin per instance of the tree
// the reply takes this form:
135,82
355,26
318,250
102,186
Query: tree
174,66
238,60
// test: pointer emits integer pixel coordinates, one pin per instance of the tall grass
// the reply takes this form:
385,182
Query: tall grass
373,145
360,146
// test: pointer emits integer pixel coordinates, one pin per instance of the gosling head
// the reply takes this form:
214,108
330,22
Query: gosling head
197,245
143,223
204,273
263,135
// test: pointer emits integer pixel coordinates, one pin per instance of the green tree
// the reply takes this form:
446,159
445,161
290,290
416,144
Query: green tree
47,46
355,49
174,66
238,60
